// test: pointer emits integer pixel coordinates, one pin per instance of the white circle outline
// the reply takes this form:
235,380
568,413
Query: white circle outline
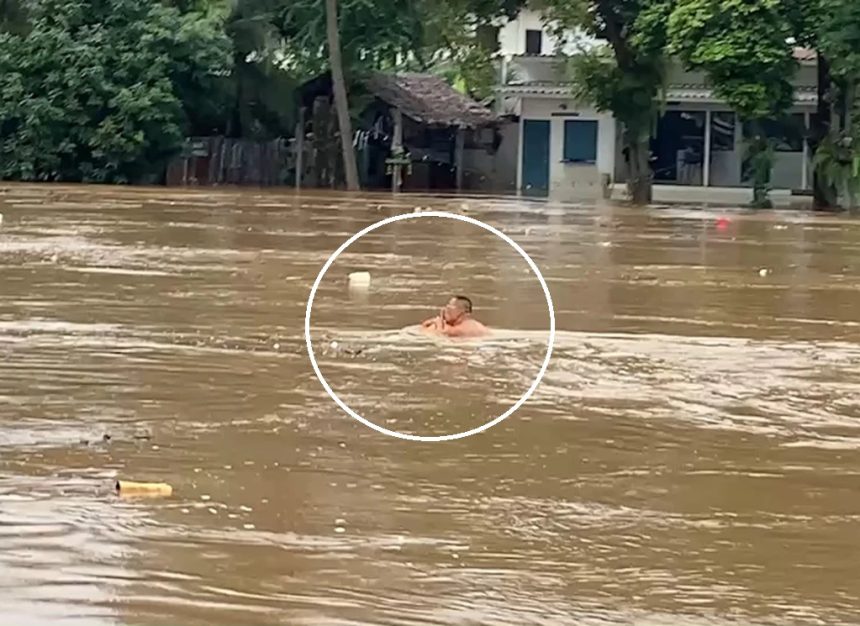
427,438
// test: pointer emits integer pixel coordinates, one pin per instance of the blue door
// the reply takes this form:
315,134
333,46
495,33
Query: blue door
535,157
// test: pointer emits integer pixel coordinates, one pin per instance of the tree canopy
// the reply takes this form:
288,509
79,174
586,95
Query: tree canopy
627,75
102,91
743,46
106,90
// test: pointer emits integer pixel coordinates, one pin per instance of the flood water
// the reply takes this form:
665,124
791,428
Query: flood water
691,457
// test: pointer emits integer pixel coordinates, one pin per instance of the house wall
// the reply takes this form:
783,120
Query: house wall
726,166
512,35
531,69
494,172
572,180
791,170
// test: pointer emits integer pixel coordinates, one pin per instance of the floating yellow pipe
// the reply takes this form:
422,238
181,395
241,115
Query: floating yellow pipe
152,490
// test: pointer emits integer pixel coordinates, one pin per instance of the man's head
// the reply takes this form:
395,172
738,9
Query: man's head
457,309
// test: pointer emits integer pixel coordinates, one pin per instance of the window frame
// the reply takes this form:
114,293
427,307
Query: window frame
570,124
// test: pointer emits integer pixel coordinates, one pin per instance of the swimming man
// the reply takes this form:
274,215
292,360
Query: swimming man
455,320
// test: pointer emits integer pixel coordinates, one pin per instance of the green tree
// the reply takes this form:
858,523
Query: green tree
837,159
341,103
626,76
374,34
12,17
460,41
259,87
100,91
389,35
742,45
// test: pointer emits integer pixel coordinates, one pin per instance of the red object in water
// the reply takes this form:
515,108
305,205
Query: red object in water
722,223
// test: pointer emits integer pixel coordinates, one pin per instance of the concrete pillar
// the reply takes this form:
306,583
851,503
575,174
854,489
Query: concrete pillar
459,147
706,160
397,150
804,170
300,148
520,126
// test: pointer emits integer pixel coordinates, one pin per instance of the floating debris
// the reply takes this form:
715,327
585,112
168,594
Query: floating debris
104,439
133,489
359,280
763,272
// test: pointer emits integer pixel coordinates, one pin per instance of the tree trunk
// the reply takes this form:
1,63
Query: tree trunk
234,122
823,194
850,96
340,99
639,170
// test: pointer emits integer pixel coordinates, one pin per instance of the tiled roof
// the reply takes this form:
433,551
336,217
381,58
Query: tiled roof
428,99
679,92
689,92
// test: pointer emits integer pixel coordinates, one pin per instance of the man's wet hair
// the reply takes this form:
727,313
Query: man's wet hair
464,303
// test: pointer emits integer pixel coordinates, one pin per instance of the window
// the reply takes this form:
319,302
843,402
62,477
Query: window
534,41
678,147
722,131
580,141
488,36
788,133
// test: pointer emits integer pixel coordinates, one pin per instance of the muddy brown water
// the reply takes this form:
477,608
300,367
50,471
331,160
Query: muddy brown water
691,457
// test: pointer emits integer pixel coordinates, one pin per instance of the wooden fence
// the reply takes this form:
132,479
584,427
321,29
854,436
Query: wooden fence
224,161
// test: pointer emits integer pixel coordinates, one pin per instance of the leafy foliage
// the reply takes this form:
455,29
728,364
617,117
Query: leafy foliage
374,35
425,35
625,77
743,47
260,89
837,159
101,91
12,17
838,162
839,36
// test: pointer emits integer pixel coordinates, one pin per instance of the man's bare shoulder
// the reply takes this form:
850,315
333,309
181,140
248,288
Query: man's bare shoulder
468,329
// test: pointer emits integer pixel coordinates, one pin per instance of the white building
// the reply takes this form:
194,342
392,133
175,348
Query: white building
567,150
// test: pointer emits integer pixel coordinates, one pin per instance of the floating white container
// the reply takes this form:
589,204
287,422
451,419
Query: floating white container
359,280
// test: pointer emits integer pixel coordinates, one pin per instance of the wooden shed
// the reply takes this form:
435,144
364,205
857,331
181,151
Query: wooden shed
411,132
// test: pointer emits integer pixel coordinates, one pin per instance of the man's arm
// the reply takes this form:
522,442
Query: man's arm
454,331
433,321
